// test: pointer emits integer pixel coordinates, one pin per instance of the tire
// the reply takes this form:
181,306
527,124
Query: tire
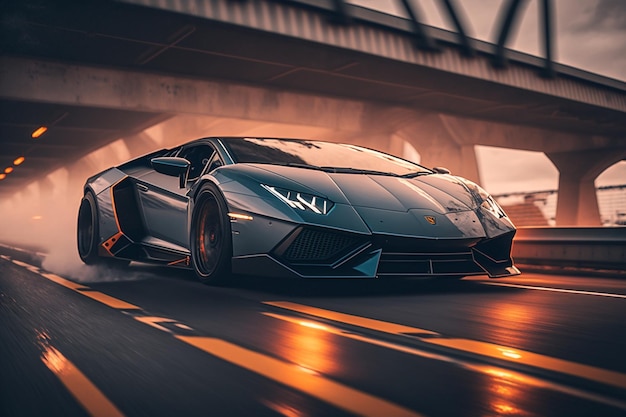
210,237
87,235
87,230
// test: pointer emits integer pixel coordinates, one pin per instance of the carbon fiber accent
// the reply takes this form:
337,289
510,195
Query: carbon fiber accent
317,245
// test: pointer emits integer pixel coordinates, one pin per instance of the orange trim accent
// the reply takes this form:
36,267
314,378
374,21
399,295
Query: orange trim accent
108,244
117,222
185,260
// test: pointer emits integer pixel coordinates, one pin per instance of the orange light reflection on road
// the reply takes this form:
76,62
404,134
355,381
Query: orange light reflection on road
282,409
510,353
308,345
39,131
505,392
83,390
511,321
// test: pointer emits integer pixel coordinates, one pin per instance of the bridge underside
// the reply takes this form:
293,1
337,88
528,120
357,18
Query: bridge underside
96,73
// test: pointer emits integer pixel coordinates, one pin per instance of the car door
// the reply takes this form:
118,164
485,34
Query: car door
165,204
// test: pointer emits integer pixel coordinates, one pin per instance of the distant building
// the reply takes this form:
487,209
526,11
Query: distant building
539,208
526,213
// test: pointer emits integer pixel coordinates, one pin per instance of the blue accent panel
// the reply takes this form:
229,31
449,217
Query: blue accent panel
368,267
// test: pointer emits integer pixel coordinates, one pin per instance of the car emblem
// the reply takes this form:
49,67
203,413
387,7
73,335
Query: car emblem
430,219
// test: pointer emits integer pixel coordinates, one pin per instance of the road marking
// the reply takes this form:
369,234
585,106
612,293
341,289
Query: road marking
306,380
109,301
64,282
297,377
534,359
362,338
30,267
490,370
85,392
83,289
531,287
473,346
153,322
373,324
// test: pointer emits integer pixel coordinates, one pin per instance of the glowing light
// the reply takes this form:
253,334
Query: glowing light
312,325
2,176
499,373
37,217
8,170
39,131
509,353
19,161
504,409
307,370
239,216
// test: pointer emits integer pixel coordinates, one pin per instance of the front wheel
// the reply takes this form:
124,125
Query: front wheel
210,237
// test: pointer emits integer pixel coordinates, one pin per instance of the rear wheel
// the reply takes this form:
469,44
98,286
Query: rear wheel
88,235
210,237
87,230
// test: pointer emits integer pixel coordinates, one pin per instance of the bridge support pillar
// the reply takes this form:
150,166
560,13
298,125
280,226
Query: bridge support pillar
440,144
577,203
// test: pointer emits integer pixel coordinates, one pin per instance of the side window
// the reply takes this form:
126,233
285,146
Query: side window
216,162
199,156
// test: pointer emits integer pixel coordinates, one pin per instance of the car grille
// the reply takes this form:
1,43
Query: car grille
311,245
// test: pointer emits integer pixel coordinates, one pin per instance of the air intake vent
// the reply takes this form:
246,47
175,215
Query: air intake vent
312,245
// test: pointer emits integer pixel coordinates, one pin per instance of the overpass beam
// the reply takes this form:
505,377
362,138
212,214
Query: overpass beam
577,203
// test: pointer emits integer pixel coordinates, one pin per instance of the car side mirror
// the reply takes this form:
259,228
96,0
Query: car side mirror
172,166
441,170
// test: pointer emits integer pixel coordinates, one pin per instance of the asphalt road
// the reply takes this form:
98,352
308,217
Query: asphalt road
154,342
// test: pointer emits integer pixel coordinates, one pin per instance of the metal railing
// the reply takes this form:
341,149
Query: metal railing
589,248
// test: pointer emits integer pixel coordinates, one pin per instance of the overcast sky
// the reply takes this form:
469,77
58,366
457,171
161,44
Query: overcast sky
589,35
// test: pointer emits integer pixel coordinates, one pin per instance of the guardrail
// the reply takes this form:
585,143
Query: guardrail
591,248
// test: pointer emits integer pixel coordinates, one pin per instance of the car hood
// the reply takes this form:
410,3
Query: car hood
438,193
436,205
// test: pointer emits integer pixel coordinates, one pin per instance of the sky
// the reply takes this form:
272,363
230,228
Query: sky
589,35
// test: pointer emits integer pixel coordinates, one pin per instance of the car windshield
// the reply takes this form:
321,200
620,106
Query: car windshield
327,156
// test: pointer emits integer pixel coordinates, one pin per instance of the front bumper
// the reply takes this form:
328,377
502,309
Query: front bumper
314,252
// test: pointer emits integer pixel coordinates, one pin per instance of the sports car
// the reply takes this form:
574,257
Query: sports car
227,206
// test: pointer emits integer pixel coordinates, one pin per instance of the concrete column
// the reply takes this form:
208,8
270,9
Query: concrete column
577,203
440,144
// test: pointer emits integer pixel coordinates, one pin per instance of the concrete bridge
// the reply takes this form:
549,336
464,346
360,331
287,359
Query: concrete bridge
100,71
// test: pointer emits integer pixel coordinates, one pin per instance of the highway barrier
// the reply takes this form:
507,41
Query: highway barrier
588,248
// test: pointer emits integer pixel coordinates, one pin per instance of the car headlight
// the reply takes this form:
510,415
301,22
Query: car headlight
485,201
301,201
491,205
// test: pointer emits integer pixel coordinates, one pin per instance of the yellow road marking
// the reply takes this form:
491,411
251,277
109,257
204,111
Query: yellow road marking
472,346
65,282
534,359
337,331
110,301
490,370
85,392
299,378
30,267
373,324
153,322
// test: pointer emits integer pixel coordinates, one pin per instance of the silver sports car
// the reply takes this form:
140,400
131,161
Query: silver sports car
292,208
